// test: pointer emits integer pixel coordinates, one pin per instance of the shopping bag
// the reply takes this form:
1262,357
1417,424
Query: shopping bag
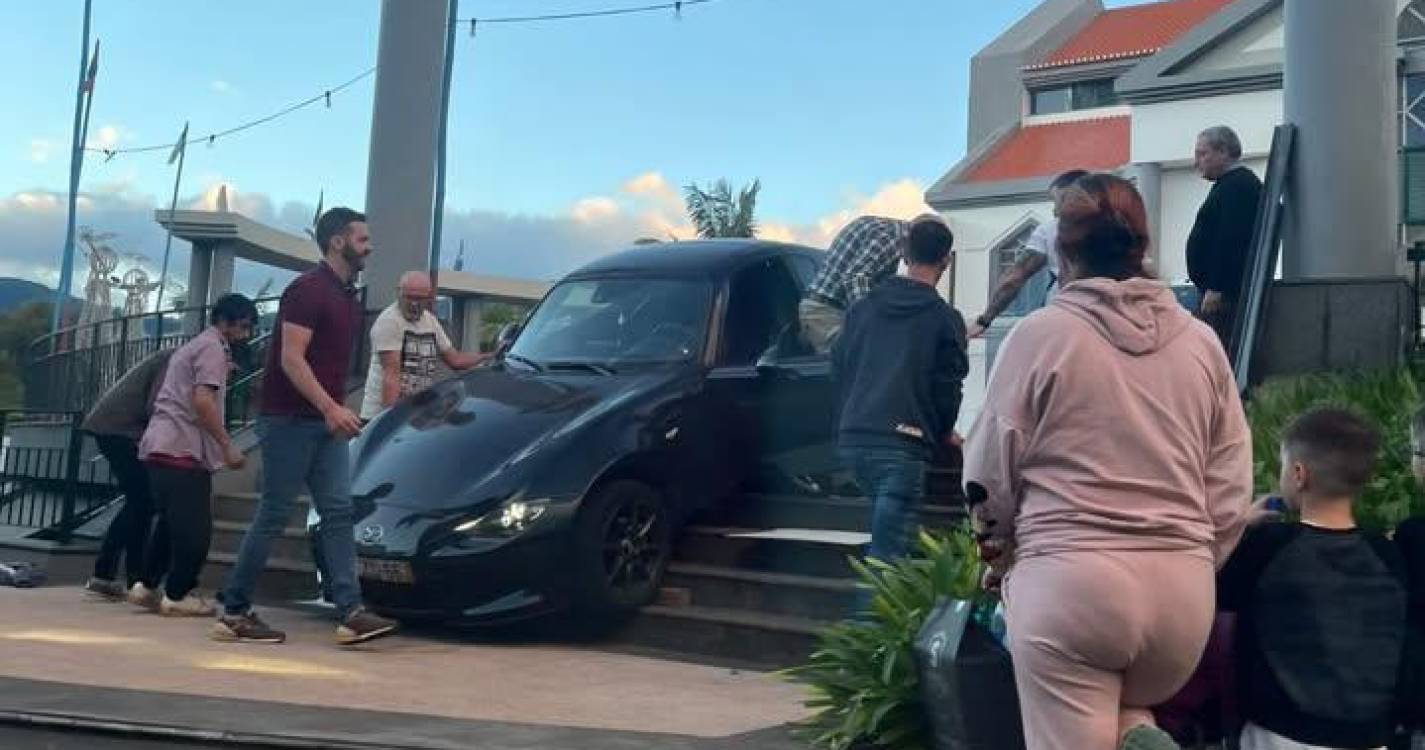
966,681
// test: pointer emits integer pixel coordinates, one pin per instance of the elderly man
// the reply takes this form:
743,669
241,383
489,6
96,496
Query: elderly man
863,254
1222,235
406,342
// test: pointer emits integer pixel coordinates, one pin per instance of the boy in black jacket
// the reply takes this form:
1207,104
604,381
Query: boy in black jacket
1321,605
899,363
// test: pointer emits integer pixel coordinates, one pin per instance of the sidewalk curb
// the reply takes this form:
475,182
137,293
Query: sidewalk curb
116,727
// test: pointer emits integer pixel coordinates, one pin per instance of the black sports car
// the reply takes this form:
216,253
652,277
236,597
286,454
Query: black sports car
644,387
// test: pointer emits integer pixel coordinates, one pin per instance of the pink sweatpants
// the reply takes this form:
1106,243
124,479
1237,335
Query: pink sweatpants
1096,634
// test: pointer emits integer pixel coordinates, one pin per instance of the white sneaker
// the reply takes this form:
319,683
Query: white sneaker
189,606
144,597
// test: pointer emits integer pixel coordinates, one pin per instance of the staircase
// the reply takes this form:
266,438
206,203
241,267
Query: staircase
757,581
752,583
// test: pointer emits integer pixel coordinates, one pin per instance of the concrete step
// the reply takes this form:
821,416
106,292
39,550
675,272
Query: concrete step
765,640
808,512
815,597
242,506
283,580
803,552
292,545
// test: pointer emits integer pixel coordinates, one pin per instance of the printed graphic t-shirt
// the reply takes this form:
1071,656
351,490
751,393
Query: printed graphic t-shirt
419,345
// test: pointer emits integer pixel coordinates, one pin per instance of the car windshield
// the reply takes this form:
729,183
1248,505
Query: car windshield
610,322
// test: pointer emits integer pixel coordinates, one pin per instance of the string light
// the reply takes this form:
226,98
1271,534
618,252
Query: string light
214,136
676,7
326,95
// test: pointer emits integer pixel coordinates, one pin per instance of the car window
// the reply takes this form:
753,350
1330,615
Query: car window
618,321
805,267
761,306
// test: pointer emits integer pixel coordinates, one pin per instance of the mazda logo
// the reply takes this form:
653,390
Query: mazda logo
372,534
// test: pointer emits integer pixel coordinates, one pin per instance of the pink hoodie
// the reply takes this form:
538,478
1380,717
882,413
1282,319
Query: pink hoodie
1112,421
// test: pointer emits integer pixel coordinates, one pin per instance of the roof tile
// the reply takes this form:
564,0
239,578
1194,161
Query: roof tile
1135,31
1045,150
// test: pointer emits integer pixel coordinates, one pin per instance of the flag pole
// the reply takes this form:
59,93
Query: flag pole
181,151
76,165
437,221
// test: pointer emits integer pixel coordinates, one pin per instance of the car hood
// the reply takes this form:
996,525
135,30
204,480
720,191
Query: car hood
471,440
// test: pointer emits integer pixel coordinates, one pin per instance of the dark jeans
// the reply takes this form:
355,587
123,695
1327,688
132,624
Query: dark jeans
893,479
184,500
128,533
299,451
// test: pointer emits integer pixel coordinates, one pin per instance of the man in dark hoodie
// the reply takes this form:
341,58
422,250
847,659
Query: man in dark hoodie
900,362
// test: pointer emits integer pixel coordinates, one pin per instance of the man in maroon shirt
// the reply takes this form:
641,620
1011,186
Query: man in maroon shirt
304,428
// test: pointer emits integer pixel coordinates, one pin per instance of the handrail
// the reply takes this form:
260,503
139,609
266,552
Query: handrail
47,343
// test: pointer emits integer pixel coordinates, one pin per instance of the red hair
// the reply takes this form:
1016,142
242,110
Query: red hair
1103,228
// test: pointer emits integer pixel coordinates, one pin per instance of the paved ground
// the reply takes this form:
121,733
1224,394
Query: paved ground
61,655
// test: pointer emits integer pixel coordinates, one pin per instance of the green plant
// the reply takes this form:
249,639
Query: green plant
1389,399
716,212
862,676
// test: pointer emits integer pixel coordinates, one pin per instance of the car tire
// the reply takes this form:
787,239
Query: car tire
622,543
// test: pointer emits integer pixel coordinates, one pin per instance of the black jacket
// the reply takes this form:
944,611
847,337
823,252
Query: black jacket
1222,235
900,362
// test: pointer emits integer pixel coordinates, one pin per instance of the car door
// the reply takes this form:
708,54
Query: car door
777,402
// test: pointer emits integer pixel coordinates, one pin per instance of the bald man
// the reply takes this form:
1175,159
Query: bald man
406,342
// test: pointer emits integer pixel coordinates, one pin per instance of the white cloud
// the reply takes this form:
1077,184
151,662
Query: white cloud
41,149
596,209
220,87
106,137
497,243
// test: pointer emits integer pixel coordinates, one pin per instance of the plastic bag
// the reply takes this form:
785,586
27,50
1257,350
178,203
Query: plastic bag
21,575
967,680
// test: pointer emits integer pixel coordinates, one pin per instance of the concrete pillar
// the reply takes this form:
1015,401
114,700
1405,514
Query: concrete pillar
1340,93
400,181
200,274
220,278
1148,177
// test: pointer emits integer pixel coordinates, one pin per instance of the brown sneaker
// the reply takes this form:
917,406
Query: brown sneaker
105,590
245,628
362,626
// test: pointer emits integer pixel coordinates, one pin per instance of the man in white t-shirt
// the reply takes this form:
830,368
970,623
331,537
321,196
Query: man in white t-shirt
1040,251
407,345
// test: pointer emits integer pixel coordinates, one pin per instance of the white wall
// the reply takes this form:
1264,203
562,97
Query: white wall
1183,193
1261,43
976,229
1167,131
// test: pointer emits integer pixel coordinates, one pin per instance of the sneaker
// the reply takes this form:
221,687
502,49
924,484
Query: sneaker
192,605
1146,737
104,589
245,628
362,626
144,597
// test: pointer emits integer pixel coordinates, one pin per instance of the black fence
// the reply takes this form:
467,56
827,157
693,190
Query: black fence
68,370
49,486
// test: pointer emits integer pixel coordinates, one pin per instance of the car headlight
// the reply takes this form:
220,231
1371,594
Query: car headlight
509,518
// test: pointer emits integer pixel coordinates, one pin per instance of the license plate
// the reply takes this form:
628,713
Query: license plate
387,571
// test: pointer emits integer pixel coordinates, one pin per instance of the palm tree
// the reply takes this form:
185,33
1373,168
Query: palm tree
715,212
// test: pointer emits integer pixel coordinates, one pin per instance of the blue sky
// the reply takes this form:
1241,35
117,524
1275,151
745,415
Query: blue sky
829,102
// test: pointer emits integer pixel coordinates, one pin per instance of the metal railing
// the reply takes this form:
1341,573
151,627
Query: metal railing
68,370
50,487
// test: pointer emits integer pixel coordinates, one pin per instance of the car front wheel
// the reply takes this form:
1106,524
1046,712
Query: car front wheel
623,542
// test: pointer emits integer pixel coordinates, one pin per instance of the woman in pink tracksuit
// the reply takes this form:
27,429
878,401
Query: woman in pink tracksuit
1111,471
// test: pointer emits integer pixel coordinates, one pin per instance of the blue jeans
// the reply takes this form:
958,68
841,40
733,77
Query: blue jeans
298,450
894,481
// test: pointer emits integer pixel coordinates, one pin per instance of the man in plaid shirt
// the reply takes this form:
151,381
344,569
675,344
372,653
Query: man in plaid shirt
863,254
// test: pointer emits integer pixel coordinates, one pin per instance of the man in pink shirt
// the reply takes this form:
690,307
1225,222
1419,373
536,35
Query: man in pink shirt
186,442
